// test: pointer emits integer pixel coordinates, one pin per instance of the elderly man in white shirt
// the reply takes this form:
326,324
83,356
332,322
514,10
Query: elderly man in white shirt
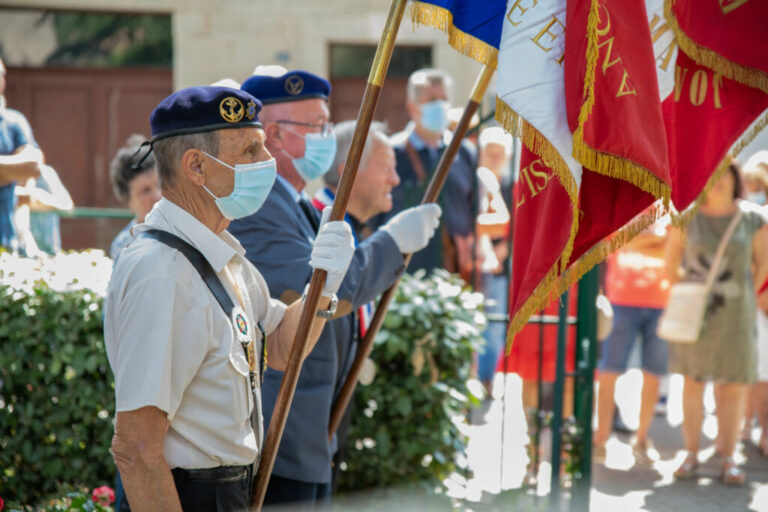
188,360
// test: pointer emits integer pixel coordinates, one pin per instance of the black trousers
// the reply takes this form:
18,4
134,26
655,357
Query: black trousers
224,489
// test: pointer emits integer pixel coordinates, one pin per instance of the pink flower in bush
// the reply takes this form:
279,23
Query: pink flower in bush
103,495
2,504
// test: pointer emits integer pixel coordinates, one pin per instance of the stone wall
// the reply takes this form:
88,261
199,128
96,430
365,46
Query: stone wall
228,38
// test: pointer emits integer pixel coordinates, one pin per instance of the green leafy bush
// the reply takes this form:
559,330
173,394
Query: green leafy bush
56,388
405,424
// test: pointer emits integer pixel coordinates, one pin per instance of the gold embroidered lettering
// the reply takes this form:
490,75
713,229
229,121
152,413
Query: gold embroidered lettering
698,91
679,79
520,8
624,89
553,35
541,175
717,83
607,62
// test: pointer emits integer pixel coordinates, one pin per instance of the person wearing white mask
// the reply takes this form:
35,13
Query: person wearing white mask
418,149
278,239
189,326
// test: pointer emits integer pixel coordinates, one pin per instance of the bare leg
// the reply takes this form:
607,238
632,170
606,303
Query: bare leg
605,406
750,411
693,413
730,412
762,415
650,395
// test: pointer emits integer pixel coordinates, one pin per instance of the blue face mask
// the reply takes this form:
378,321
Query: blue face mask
434,116
318,155
756,197
252,185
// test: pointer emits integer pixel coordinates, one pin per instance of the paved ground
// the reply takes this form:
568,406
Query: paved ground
498,458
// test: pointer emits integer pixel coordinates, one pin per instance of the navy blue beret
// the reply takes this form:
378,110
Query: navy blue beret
203,109
291,86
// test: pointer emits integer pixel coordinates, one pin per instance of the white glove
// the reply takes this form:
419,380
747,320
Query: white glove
332,251
411,229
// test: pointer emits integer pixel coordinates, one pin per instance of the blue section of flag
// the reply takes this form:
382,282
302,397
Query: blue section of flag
480,19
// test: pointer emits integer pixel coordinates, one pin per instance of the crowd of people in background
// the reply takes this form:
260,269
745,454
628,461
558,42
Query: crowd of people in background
473,240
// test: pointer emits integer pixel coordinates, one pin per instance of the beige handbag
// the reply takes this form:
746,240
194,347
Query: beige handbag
683,318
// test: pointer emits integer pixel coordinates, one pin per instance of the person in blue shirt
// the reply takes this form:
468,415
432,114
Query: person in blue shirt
19,161
138,186
418,149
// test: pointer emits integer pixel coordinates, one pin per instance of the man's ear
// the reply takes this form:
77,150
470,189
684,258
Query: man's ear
341,168
192,166
413,110
275,136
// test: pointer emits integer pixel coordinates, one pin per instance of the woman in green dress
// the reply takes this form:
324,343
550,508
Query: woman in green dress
726,351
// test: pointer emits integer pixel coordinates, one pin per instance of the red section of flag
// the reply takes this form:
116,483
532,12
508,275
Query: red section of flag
612,93
543,218
606,206
705,115
727,36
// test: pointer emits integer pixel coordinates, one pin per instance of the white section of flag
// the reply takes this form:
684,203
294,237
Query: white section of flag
530,79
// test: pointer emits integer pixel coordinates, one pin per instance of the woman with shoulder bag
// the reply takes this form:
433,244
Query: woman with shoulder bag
725,351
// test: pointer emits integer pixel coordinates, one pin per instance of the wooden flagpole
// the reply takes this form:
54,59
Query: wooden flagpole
291,375
430,196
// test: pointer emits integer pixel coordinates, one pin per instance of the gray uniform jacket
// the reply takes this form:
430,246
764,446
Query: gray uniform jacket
278,241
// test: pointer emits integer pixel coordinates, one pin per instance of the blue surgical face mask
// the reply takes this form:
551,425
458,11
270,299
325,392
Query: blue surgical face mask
252,185
434,116
319,152
756,197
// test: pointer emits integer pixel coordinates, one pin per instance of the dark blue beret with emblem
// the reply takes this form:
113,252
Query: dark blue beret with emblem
290,86
203,109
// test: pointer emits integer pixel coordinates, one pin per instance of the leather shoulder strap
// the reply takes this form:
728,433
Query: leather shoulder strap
198,261
416,163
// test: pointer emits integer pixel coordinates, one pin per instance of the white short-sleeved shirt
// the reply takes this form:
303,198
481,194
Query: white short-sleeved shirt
171,345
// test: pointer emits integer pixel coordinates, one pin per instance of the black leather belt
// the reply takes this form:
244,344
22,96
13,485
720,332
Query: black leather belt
219,474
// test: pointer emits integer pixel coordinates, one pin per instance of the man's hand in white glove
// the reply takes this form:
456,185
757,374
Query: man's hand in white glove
332,251
412,228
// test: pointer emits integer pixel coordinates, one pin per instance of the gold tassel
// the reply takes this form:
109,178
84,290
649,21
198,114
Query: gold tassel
608,246
442,19
703,56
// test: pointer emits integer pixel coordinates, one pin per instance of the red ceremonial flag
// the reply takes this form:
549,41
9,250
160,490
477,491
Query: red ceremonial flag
612,93
707,117
727,36
541,234
614,110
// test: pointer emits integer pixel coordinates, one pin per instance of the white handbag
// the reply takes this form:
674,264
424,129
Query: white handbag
683,318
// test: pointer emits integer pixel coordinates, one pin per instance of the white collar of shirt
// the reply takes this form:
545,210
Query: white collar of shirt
280,181
418,143
218,249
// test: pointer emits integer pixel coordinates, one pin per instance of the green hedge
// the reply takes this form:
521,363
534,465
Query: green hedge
404,427
56,393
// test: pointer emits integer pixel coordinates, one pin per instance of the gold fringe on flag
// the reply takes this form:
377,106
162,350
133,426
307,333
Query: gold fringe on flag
682,219
431,15
539,145
704,56
601,162
608,246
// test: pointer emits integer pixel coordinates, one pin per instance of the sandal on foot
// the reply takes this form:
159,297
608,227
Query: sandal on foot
688,468
763,446
732,474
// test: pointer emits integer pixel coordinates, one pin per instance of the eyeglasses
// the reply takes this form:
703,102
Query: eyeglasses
325,128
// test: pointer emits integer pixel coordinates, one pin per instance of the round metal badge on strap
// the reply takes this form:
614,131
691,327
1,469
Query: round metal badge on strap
241,325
